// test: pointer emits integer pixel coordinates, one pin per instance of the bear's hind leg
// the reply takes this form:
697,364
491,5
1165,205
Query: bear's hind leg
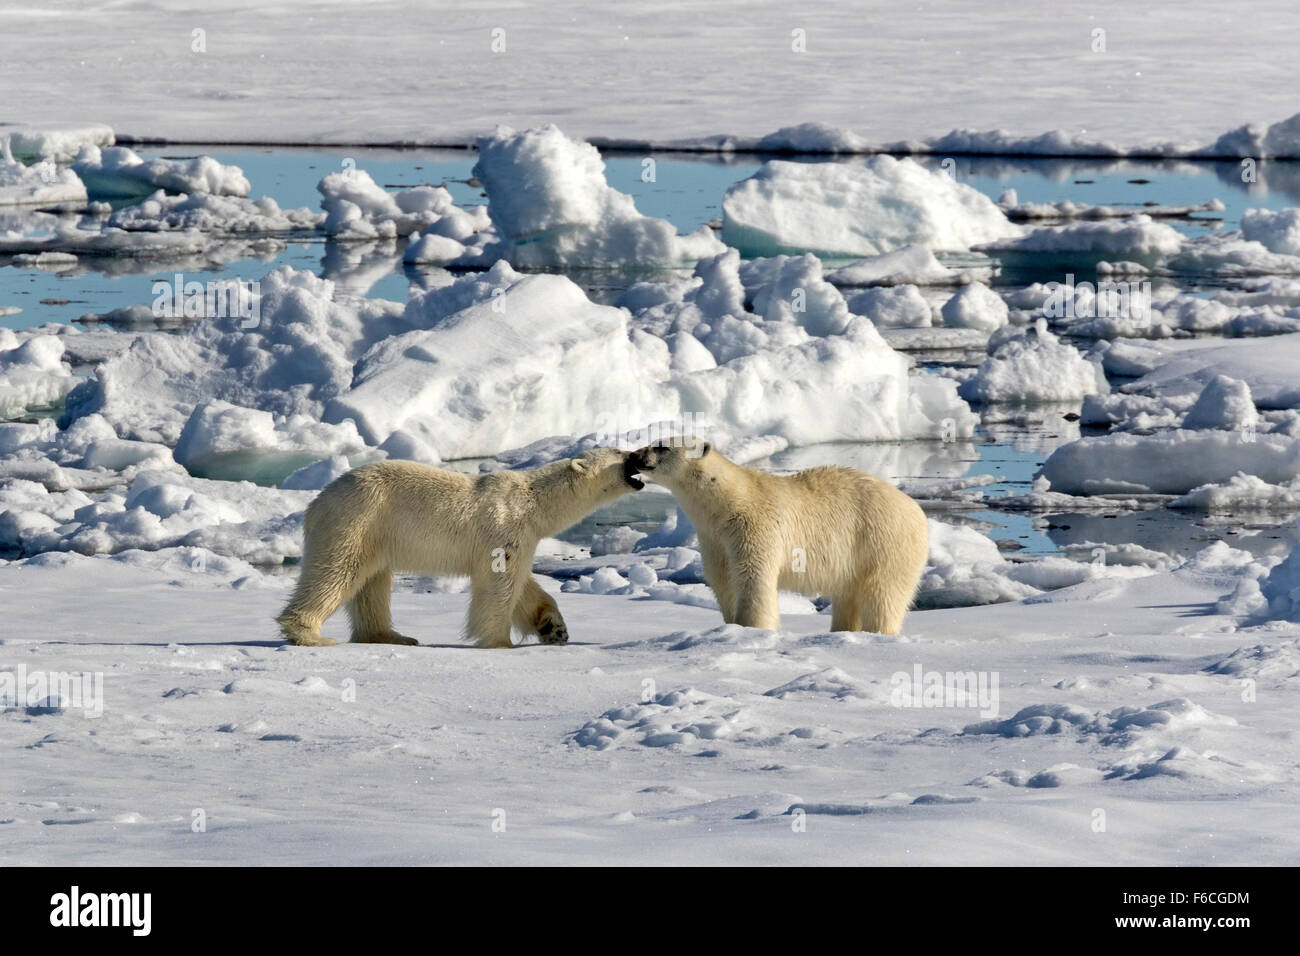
883,611
846,613
537,613
322,588
372,621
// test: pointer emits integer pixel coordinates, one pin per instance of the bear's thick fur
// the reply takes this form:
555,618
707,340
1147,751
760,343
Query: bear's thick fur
826,531
404,516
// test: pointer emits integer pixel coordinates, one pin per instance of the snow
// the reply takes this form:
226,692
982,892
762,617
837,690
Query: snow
856,209
634,702
625,74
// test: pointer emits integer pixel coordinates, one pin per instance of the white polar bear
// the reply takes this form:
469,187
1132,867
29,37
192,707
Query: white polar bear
826,531
403,516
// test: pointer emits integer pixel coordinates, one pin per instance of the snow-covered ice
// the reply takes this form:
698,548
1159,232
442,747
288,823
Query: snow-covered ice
707,740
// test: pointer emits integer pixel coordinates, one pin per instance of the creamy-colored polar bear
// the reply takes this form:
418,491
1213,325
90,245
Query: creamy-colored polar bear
826,531
403,516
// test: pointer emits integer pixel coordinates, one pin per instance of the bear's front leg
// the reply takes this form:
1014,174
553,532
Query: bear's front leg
754,577
717,574
536,613
493,595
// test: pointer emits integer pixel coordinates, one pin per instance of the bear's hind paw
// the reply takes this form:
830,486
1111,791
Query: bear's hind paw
388,637
553,631
311,640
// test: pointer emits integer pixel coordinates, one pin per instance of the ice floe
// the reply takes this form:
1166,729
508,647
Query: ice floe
866,208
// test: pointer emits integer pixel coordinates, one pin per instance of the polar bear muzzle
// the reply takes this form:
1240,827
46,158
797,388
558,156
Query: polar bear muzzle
631,472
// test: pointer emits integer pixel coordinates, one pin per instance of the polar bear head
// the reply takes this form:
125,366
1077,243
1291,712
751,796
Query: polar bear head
674,464
607,472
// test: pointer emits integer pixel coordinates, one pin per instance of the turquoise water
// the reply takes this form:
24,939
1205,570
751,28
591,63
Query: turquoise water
686,190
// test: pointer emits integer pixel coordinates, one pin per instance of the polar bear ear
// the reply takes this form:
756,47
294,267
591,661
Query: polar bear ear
578,465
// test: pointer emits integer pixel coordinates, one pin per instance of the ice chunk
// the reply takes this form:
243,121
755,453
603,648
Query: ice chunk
357,208
915,265
1280,140
812,138
1241,492
296,358
118,171
1277,231
1281,588
218,428
43,182
1034,366
55,142
318,474
551,206
538,359
856,209
208,213
1224,403
892,307
975,306
1267,366
33,375
1136,239
1173,462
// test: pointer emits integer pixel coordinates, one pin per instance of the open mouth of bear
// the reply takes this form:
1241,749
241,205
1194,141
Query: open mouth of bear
630,475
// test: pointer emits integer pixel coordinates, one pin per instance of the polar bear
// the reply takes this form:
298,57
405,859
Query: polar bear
404,516
826,531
